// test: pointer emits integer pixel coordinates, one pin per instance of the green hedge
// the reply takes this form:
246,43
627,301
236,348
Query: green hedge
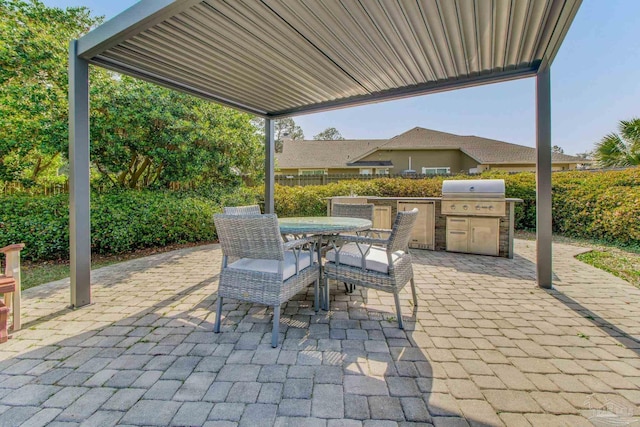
595,205
120,222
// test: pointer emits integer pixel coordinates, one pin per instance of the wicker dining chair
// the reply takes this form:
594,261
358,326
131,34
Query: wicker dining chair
242,210
363,211
268,271
381,264
352,210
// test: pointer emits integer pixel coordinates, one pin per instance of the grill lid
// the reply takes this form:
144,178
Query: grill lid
473,188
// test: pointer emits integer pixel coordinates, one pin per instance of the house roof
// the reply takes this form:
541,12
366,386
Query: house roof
323,154
347,153
280,58
483,150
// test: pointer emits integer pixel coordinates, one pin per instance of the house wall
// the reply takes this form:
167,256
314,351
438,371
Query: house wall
454,159
331,171
526,167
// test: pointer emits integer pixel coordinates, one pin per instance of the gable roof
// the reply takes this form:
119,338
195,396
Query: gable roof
324,154
347,153
482,150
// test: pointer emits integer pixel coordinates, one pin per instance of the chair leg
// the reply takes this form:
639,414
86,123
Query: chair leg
276,326
413,291
4,314
397,299
326,293
216,326
316,295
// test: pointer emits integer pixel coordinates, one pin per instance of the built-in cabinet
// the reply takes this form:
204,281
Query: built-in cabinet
476,235
423,233
382,217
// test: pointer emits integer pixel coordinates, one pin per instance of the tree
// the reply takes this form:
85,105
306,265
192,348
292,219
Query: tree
587,155
33,76
287,128
143,135
557,149
329,134
620,150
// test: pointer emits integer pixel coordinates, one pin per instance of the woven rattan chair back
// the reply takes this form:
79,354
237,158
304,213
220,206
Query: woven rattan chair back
401,231
242,210
250,236
363,211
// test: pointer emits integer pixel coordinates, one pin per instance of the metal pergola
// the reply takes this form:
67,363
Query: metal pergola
281,58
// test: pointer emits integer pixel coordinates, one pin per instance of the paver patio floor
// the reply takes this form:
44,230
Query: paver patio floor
485,346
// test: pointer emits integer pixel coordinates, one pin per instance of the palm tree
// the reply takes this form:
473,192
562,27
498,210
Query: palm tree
620,150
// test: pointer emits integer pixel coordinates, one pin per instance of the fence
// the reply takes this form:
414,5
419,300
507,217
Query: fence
302,180
7,188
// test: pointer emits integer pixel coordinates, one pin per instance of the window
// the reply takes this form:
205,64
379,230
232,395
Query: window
382,171
436,171
366,171
312,172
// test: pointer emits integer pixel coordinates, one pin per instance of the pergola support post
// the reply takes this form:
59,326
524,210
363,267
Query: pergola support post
544,272
79,191
269,166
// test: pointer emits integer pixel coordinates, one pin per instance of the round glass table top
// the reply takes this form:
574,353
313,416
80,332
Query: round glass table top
322,225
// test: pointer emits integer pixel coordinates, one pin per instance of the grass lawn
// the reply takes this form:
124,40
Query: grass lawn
622,262
38,273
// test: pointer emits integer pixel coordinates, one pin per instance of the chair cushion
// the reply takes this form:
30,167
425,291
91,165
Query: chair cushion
271,265
376,258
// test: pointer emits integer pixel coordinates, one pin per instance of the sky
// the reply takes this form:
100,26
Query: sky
594,84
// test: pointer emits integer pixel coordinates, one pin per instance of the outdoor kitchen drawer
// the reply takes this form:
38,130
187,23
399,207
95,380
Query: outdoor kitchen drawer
457,223
457,240
423,233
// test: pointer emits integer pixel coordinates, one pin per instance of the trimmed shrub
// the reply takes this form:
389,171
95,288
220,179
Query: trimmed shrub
596,205
120,222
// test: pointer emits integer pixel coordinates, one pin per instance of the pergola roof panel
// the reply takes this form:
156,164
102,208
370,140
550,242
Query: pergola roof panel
282,57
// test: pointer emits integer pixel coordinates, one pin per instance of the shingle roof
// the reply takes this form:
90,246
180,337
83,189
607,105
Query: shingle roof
338,154
324,154
483,150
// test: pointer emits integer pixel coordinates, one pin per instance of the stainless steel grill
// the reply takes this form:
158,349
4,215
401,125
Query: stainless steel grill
473,209
475,197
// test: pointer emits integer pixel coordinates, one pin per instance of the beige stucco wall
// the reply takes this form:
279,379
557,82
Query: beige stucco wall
526,168
331,171
454,159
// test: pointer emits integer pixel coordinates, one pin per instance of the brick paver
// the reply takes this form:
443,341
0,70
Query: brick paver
485,346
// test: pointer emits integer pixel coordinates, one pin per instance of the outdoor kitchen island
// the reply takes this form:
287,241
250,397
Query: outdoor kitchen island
471,230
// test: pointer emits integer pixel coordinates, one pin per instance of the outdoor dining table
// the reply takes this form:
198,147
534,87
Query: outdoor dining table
321,226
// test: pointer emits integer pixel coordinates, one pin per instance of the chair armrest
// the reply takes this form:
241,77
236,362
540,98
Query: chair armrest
298,242
11,248
12,264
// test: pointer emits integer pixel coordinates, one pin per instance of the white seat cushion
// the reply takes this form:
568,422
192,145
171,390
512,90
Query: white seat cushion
376,258
271,265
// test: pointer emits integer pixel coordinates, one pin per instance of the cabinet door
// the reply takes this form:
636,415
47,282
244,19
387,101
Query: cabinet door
423,230
457,240
382,217
484,236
